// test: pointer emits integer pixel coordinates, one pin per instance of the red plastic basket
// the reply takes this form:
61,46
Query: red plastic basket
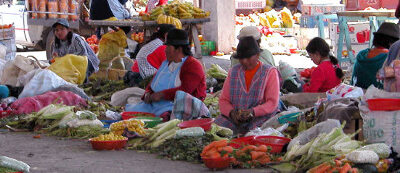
275,142
383,104
203,123
129,115
239,142
217,163
4,114
108,145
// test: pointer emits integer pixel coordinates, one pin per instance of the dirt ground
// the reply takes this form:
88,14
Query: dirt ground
54,155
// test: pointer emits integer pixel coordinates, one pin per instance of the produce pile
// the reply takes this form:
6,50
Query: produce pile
109,137
270,19
177,10
102,89
93,43
138,37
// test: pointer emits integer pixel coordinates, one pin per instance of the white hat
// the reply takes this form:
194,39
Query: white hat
249,31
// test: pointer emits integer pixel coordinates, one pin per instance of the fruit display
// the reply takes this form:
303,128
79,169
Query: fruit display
132,125
178,10
109,137
6,26
270,19
94,43
138,37
164,19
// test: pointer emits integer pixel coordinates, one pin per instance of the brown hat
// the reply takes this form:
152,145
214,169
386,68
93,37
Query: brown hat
247,48
389,29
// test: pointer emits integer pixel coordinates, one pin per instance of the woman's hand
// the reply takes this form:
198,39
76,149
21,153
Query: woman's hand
246,115
235,116
155,97
147,98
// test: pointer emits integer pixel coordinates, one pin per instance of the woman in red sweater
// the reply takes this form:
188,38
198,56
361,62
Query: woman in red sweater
328,73
180,72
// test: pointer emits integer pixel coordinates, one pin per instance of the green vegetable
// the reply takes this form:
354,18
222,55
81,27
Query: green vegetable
186,148
7,170
284,168
168,126
217,72
86,115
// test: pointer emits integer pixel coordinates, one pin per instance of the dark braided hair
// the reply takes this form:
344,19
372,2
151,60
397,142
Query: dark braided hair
319,45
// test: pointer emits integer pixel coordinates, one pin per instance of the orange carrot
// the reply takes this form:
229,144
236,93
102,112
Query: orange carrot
220,143
256,154
354,170
214,155
346,168
338,163
321,168
262,148
228,149
249,147
264,159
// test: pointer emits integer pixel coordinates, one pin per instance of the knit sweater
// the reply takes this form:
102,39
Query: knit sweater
193,81
322,79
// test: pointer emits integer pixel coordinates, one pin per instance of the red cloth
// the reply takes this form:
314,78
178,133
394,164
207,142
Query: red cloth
156,58
162,2
135,67
322,79
193,81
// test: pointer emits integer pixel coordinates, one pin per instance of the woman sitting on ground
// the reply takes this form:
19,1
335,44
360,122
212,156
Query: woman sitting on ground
328,73
250,94
67,42
369,61
180,72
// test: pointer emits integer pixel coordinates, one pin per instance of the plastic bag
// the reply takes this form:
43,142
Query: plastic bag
72,68
192,131
113,115
10,74
120,98
74,89
110,46
86,115
34,104
373,92
344,91
265,132
42,82
8,100
2,63
3,51
77,123
308,135
286,70
14,164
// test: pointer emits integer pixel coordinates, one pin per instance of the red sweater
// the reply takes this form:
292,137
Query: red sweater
322,79
155,59
193,81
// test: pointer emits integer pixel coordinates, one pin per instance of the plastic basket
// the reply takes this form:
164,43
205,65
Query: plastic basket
129,115
108,145
150,122
203,123
275,142
207,47
384,104
293,117
217,163
239,142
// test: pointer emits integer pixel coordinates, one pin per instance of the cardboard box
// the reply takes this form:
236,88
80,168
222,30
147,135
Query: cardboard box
310,10
356,49
359,32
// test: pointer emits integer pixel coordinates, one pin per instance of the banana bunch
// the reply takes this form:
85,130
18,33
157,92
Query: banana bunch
164,19
287,18
184,12
132,125
156,12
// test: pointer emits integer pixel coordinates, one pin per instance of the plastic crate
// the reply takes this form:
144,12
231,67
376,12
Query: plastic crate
207,47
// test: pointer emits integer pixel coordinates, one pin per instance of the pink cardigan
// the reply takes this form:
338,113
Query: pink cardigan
271,95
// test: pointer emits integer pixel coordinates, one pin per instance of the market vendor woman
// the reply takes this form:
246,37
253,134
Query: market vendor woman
180,72
250,94
67,42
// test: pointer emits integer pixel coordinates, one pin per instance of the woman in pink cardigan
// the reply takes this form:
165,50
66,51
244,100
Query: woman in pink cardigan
250,95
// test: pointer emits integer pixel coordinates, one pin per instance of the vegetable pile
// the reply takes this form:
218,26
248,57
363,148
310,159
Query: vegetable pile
217,72
102,89
133,125
109,137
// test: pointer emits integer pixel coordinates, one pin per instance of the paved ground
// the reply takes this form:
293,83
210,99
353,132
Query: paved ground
52,155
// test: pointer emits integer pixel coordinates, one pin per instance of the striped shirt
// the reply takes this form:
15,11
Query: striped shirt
78,46
145,68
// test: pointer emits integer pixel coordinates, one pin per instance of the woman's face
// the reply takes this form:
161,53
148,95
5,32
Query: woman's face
315,57
249,63
61,32
171,52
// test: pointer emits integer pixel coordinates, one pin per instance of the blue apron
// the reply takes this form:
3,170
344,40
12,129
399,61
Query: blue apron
164,79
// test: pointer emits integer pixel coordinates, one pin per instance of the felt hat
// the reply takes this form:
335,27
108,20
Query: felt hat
389,29
177,37
247,47
63,22
249,31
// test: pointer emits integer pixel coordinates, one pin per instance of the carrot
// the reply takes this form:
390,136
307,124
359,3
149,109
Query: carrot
220,143
345,168
228,149
321,168
214,155
262,148
249,147
264,159
338,163
354,170
256,154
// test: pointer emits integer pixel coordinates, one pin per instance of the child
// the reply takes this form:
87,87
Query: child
328,73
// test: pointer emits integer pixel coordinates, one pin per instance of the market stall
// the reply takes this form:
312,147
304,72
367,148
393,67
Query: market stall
149,27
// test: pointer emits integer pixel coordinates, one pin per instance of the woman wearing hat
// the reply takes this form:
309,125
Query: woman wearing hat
265,55
179,72
67,42
328,74
250,94
151,55
370,60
